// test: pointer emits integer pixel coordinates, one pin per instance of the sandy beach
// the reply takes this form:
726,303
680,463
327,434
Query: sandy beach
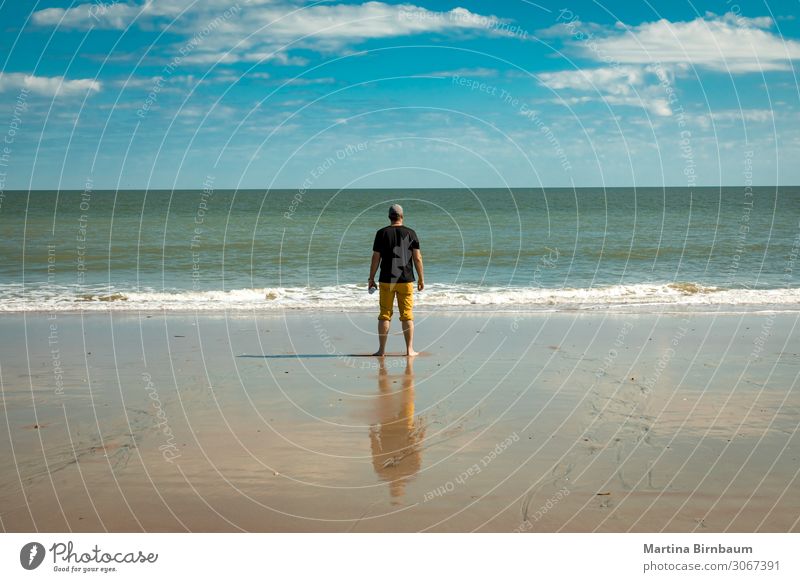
541,422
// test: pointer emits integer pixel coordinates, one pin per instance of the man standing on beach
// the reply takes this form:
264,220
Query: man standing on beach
396,249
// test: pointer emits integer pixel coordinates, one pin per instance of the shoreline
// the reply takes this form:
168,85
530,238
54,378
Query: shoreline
629,309
632,297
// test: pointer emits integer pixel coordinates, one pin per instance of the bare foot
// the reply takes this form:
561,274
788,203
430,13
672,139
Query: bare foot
378,353
412,353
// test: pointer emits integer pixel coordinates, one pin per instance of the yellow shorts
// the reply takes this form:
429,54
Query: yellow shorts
405,300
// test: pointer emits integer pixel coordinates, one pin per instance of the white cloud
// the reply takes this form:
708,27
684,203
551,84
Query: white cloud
187,84
116,15
644,60
466,72
731,117
276,26
234,77
753,115
613,80
49,86
722,43
625,85
303,81
121,15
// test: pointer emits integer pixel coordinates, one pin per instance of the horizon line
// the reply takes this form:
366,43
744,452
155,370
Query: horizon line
10,190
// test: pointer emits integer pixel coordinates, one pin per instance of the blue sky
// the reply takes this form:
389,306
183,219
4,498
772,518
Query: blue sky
291,94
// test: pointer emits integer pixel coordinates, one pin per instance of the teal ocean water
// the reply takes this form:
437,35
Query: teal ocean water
490,248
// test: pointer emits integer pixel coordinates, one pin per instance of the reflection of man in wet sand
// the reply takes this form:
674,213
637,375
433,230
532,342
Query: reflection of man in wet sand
396,250
396,439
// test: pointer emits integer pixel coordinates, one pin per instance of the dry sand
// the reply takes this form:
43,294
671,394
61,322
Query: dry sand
528,422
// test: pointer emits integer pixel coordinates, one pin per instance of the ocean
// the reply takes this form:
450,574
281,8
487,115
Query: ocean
485,249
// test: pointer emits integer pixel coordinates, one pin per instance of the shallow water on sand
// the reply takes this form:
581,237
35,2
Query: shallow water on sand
559,422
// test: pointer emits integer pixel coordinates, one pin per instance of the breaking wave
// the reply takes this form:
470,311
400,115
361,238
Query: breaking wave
15,298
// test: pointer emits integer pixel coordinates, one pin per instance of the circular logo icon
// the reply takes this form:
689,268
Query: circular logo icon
31,555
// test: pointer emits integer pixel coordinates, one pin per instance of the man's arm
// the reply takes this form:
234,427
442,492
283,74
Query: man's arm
416,255
373,268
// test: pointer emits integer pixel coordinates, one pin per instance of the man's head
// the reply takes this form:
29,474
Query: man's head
395,213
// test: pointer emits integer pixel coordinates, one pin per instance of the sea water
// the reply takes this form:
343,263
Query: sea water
587,248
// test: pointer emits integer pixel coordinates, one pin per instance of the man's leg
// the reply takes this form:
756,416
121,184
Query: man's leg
384,319
408,333
383,332
405,304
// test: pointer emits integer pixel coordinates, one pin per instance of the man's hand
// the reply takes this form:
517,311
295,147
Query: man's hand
373,269
416,256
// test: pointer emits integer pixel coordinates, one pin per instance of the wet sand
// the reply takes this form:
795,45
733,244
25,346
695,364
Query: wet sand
528,422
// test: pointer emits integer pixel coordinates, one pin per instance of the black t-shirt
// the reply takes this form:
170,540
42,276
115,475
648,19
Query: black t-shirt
395,244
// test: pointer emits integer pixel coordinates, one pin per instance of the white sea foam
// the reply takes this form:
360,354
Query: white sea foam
13,298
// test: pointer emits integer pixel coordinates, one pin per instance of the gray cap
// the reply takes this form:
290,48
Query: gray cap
395,210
